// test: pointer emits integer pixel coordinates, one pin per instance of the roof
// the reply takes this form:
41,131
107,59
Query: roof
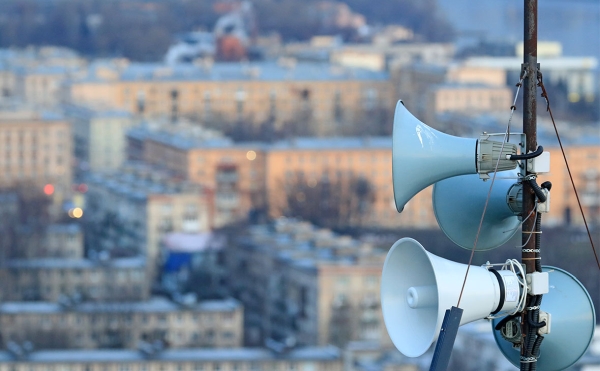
333,143
92,113
470,86
61,263
191,242
254,71
187,142
324,353
514,63
71,228
154,305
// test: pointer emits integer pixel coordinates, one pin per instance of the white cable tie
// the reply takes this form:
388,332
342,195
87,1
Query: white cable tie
528,359
531,233
535,307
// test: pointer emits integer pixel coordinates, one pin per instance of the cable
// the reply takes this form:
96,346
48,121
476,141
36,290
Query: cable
538,240
545,95
537,189
527,156
506,138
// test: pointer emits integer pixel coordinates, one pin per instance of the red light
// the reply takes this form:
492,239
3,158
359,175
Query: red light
82,188
48,189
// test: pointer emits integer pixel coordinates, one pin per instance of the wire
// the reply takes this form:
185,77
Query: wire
545,95
487,200
513,265
520,224
527,156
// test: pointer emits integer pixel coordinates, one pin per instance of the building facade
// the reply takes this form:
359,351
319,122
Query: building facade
36,149
99,137
319,95
51,279
306,286
128,211
213,324
55,241
241,359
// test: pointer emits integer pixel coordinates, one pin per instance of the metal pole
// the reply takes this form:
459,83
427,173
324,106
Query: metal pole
530,66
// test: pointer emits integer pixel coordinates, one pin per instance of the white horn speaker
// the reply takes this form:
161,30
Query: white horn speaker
422,156
417,287
572,324
458,204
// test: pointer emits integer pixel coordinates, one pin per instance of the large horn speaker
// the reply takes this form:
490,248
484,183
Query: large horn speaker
422,156
417,287
573,320
458,204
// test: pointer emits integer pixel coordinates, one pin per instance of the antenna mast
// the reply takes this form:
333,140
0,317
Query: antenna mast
530,68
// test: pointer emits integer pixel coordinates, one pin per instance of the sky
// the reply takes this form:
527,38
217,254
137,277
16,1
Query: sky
575,23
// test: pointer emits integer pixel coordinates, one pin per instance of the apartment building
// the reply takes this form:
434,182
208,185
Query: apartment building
306,285
50,279
584,163
214,324
328,358
55,241
36,149
471,99
233,173
576,73
338,161
129,210
323,97
35,76
246,176
99,136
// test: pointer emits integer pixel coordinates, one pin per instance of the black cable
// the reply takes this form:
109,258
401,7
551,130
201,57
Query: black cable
527,156
504,320
538,190
531,338
547,185
536,351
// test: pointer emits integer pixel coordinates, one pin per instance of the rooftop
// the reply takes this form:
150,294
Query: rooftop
154,305
325,353
252,71
139,181
302,245
185,143
60,263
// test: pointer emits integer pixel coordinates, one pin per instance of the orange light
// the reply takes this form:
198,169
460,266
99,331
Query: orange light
48,189
76,213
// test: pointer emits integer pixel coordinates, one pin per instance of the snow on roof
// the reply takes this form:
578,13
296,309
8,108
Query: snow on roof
190,242
324,353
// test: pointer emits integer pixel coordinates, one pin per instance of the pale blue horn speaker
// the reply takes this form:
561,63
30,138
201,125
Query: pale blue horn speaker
458,204
422,156
572,324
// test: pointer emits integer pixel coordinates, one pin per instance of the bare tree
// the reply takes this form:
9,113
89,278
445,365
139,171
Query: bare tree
329,202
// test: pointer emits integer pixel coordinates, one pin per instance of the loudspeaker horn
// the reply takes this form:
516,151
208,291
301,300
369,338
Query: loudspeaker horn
417,287
422,156
572,320
458,204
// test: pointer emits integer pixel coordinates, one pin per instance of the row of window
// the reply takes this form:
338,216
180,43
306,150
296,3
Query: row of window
387,158
182,366
33,160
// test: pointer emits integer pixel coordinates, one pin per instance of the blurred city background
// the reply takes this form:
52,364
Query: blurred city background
206,185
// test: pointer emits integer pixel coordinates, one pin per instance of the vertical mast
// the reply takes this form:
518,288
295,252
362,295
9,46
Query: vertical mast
530,67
